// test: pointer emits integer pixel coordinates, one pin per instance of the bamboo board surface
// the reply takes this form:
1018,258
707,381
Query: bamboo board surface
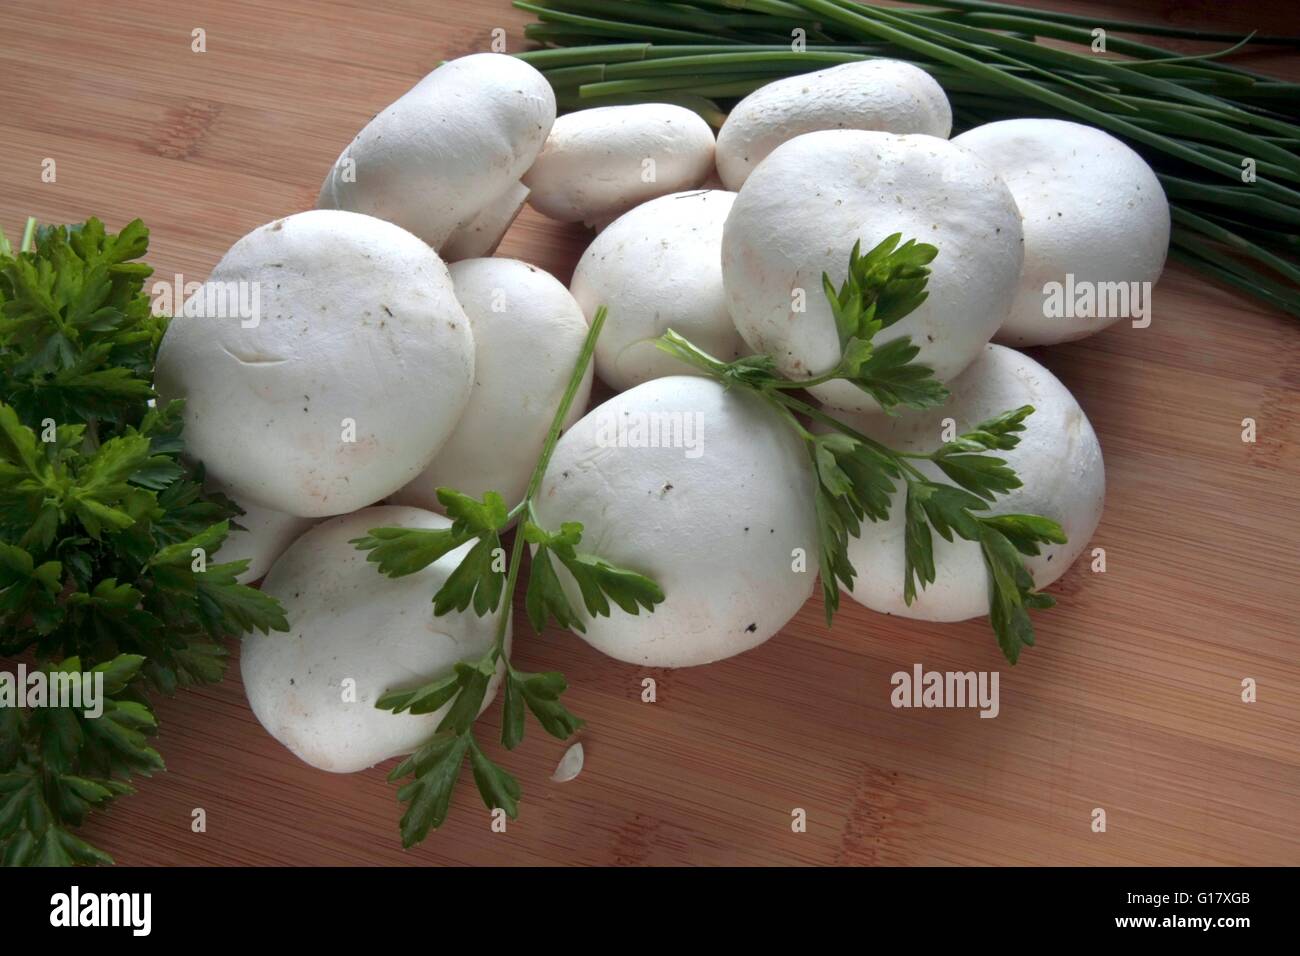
1131,701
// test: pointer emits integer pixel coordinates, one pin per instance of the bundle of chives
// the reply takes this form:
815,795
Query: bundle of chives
1200,123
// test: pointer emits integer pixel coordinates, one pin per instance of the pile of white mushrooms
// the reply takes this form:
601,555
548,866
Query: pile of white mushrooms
374,373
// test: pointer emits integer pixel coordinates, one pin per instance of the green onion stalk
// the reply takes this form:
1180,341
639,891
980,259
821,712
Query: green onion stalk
1223,140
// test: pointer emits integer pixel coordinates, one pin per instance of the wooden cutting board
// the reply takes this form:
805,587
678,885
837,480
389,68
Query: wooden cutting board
1130,703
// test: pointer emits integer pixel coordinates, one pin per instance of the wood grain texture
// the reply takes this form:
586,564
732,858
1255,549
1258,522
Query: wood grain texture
1130,702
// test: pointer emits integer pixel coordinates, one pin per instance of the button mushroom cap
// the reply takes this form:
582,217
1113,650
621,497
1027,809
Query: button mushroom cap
452,144
886,95
1092,208
1058,462
599,163
345,383
799,214
528,333
713,511
658,267
347,622
262,536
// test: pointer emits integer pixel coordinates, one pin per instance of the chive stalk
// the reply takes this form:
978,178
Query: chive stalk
1202,123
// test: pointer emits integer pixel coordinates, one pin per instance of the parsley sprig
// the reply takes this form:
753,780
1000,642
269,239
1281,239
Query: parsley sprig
880,288
100,524
479,581
859,478
60,764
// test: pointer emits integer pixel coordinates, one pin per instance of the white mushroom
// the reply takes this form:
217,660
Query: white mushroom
886,95
262,536
707,491
482,234
658,267
1058,462
353,635
451,145
528,332
799,214
1095,220
349,376
599,163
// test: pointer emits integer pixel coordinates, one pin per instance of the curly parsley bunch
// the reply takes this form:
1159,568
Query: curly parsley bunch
105,533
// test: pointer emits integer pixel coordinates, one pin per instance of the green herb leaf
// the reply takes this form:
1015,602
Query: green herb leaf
545,598
835,523
497,787
599,582
435,768
855,481
513,715
880,288
1001,433
1011,593
891,377
402,551
424,699
981,475
472,682
78,333
948,509
918,545
213,599
57,764
479,517
478,579
1026,532
862,475
541,692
